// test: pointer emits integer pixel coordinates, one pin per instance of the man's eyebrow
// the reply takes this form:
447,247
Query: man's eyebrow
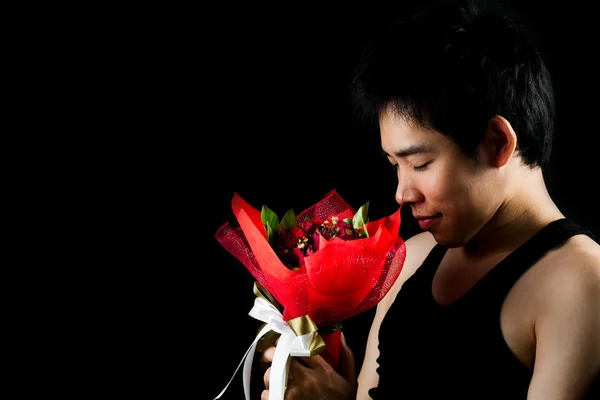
409,151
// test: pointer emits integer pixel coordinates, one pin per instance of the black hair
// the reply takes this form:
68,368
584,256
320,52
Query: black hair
454,66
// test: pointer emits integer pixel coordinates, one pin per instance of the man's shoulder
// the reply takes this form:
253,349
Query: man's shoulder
579,253
418,248
571,269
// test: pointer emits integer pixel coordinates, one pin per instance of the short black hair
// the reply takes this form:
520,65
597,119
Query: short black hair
452,67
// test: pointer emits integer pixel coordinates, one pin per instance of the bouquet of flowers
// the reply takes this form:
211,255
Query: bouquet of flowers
313,271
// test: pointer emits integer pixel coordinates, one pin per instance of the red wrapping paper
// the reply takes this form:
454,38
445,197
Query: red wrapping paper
342,279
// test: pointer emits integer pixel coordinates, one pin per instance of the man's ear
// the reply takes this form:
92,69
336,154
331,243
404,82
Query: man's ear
500,141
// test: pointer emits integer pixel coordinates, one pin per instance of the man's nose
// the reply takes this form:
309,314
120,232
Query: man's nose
406,193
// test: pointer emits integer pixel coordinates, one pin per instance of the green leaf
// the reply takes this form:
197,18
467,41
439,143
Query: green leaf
271,237
271,222
361,217
269,216
348,221
289,219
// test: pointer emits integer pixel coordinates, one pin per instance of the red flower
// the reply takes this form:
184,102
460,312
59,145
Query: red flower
290,238
329,228
346,232
294,258
291,246
310,227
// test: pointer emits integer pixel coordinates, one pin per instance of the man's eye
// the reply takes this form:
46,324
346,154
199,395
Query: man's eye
421,167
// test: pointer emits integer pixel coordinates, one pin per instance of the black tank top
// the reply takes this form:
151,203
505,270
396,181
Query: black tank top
429,351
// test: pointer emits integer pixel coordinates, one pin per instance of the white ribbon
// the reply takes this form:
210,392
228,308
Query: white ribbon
289,345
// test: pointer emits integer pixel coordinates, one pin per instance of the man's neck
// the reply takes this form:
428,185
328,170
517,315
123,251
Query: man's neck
519,217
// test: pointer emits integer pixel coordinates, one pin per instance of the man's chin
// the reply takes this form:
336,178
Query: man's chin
446,241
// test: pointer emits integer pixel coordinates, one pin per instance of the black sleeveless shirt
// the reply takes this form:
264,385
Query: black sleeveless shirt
429,351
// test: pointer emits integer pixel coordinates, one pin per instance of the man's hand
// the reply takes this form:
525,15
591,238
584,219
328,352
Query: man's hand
313,378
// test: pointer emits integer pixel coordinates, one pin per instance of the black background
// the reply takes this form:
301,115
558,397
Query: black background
252,99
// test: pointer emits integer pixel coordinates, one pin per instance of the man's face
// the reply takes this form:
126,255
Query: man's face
436,179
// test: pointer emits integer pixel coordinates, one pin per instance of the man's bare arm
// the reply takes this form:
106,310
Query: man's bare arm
568,330
417,249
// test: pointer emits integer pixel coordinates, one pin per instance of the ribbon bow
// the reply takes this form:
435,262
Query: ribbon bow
299,338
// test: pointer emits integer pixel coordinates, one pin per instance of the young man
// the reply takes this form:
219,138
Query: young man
499,297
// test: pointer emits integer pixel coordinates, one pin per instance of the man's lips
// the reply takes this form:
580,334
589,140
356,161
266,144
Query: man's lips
425,222
427,216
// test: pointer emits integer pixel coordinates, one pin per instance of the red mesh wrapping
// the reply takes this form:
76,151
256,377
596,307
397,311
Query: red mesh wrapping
340,280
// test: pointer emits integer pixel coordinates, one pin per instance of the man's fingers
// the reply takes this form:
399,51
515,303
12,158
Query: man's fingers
347,365
297,368
268,354
267,377
264,395
311,362
296,372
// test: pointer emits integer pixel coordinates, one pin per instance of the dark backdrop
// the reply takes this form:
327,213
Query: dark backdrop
257,105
